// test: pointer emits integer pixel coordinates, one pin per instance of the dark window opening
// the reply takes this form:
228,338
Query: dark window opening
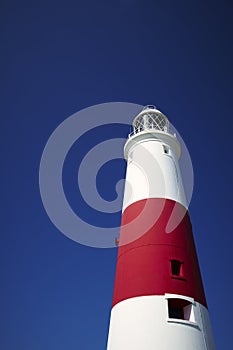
165,149
176,267
176,312
180,309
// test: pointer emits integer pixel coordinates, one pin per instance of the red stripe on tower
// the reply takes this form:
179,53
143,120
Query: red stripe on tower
158,262
159,300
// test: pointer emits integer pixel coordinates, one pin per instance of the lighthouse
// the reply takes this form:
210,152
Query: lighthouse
159,301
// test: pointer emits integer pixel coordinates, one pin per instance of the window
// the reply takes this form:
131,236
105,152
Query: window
165,149
176,268
180,309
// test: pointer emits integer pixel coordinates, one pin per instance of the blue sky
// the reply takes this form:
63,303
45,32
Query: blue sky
59,57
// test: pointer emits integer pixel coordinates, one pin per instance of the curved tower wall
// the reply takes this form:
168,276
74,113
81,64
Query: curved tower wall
159,300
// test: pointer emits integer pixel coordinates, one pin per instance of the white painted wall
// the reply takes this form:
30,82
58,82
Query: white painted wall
150,172
142,323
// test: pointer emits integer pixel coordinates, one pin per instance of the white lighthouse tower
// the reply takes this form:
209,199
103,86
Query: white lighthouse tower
159,301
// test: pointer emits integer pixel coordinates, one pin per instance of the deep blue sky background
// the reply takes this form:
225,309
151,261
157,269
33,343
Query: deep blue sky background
58,57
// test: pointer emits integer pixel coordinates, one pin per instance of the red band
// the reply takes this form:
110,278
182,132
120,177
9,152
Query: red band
144,265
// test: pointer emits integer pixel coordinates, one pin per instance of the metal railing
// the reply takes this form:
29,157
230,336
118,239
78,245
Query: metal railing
149,120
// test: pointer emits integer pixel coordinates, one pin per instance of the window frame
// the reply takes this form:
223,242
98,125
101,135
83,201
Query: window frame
190,303
180,276
166,149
